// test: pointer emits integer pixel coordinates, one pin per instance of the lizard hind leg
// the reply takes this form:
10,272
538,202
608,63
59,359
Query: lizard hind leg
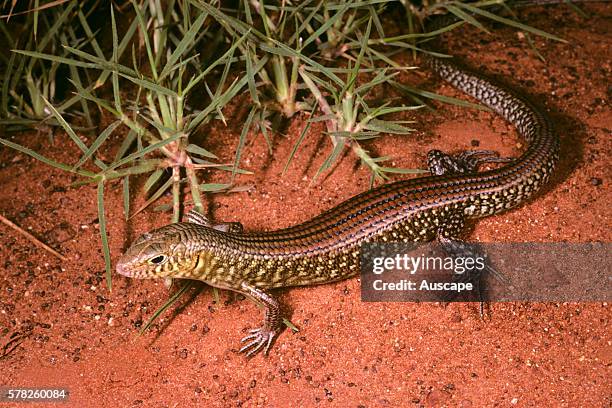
441,163
475,273
471,272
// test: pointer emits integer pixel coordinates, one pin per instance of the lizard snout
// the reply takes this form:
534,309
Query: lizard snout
121,270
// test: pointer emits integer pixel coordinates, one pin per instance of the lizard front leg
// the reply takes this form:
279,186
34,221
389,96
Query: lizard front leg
263,336
195,217
441,163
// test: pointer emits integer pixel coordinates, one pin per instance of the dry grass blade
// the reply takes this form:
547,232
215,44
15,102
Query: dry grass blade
32,238
45,6
173,299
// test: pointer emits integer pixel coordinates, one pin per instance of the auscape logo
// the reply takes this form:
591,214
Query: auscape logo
423,285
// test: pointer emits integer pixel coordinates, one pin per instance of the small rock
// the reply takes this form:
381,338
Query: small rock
596,181
61,233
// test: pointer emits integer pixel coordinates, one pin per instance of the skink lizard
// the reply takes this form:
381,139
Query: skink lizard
326,248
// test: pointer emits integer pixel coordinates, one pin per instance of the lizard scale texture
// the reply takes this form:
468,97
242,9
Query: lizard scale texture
326,248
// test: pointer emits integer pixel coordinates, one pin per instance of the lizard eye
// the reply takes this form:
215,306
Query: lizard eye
158,259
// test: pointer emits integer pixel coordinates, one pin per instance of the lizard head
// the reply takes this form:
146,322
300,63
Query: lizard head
162,253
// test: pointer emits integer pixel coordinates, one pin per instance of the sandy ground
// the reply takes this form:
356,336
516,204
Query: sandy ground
72,332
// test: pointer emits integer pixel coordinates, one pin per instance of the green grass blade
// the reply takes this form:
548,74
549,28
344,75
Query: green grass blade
290,325
400,170
509,22
152,86
329,161
152,180
140,153
200,151
86,94
104,236
115,75
384,126
41,158
125,144
286,51
74,77
300,138
213,187
126,197
251,76
36,6
242,141
143,166
55,58
145,35
101,63
325,26
97,143
438,97
90,34
70,131
160,191
413,36
264,130
225,57
173,299
220,101
465,17
185,44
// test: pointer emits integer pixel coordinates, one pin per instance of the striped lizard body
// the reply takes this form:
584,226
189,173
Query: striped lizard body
326,248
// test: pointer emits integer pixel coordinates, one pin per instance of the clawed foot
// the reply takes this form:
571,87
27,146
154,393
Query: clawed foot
261,337
441,163
471,159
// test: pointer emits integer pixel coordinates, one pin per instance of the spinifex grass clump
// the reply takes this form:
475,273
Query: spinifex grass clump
29,83
350,119
319,38
314,33
308,32
159,119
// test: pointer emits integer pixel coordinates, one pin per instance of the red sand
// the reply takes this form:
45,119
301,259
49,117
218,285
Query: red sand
348,353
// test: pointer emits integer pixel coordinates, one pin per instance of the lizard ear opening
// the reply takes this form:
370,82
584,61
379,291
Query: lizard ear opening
144,237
